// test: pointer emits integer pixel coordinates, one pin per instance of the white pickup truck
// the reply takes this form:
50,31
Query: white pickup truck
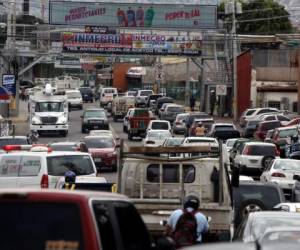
158,184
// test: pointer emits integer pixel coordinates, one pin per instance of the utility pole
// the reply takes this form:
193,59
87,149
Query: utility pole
234,55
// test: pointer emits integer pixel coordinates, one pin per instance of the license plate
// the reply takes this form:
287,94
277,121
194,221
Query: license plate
97,159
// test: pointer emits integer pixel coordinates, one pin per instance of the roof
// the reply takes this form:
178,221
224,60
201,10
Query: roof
287,127
199,138
63,143
39,97
258,143
93,108
63,193
12,137
46,154
273,214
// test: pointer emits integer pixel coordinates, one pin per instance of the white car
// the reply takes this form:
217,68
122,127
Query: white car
156,137
20,169
282,172
229,143
288,207
101,133
74,98
251,114
159,125
107,95
255,156
126,119
141,96
201,141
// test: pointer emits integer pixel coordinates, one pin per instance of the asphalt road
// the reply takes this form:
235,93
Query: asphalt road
76,135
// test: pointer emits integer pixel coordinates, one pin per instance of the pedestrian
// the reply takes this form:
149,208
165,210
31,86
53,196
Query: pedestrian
200,129
186,226
192,102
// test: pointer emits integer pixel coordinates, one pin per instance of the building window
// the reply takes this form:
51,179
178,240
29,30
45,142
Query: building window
274,104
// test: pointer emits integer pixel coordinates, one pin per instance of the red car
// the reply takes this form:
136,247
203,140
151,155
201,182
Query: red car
295,121
263,127
103,150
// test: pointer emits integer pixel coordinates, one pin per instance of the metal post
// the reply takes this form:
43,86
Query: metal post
120,166
221,170
298,104
234,55
187,83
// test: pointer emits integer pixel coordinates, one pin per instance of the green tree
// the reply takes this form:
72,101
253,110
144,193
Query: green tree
261,17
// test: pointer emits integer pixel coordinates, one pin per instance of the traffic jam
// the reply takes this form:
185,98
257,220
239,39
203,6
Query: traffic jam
239,182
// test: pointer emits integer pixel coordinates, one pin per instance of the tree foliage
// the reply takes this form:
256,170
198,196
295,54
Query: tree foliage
261,17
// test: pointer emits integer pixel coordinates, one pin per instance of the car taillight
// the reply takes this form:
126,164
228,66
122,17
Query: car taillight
247,150
177,123
276,174
78,149
277,152
45,181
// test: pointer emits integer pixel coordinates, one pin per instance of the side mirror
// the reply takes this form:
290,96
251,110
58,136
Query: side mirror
235,177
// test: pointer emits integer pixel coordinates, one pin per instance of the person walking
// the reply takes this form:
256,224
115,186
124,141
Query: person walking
192,102
186,226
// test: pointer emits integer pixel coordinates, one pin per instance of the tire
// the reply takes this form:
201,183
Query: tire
246,207
80,108
82,130
266,161
64,133
129,136
124,129
114,168
115,119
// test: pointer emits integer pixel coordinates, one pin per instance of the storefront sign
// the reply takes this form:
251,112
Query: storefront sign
99,30
9,82
133,15
132,44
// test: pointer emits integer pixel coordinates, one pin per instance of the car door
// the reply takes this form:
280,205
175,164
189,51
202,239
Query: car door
9,168
29,172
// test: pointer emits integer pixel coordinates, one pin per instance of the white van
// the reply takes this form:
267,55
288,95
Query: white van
42,169
74,98
107,95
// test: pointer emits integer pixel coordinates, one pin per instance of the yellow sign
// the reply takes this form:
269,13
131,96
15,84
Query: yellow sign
12,104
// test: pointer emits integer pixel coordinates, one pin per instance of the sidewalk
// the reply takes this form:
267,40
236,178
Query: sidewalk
23,113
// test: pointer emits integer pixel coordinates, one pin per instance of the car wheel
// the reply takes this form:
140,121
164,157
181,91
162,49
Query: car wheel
129,136
266,161
249,206
64,133
124,129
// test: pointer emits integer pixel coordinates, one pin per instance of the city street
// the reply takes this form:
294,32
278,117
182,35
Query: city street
75,132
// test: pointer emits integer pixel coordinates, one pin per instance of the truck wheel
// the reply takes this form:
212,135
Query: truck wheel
124,129
64,133
129,136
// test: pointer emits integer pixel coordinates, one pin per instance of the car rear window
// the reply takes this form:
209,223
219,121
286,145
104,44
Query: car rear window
64,147
287,132
13,141
176,109
249,112
40,225
262,150
79,164
269,195
146,93
224,127
269,125
160,125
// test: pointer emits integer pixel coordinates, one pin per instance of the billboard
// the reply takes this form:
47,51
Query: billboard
132,44
133,15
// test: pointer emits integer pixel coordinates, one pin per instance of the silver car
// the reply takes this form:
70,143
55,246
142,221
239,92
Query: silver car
171,111
179,123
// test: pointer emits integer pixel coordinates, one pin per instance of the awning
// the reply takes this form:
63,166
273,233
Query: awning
136,72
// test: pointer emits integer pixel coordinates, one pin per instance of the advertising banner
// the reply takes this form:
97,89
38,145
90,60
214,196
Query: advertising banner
9,82
134,15
132,44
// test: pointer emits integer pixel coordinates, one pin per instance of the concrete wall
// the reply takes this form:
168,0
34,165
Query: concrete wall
281,74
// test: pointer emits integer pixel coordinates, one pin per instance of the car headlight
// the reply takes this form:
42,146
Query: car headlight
36,120
62,120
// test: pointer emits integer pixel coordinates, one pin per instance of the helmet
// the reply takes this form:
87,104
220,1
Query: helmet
70,177
191,201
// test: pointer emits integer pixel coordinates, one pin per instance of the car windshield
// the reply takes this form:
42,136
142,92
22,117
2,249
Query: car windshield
49,107
286,235
63,147
260,225
95,113
174,142
253,123
287,132
160,125
261,150
200,140
160,135
73,95
13,141
99,142
230,143
109,91
146,93
249,112
85,90
224,127
79,164
287,165
176,109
